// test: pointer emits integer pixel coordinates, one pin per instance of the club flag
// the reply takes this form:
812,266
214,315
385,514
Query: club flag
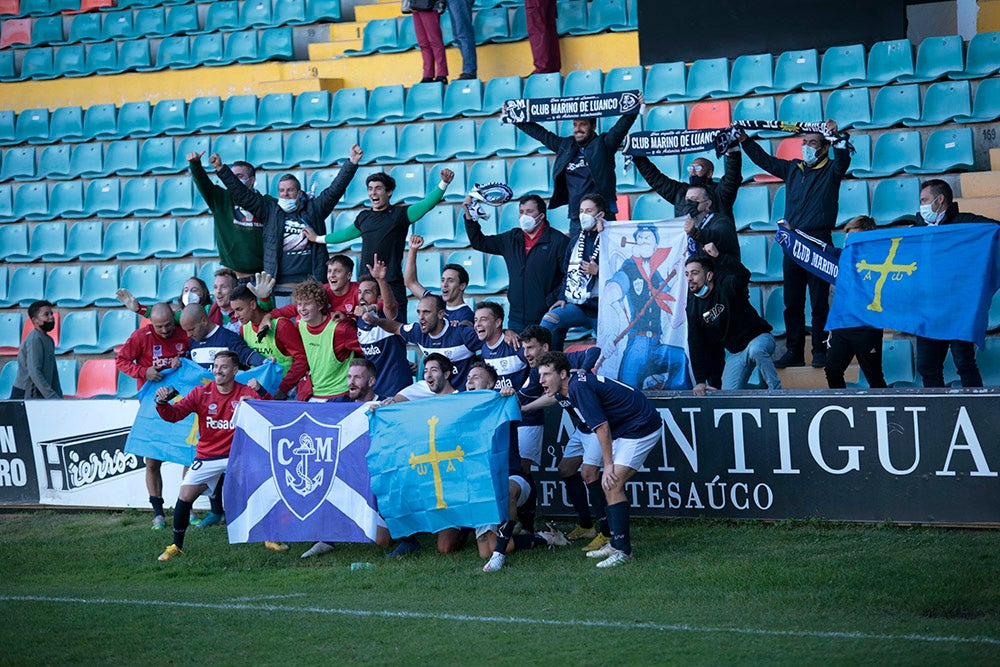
935,282
442,462
153,437
297,473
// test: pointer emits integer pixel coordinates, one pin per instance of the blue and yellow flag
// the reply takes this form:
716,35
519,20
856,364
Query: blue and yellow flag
935,282
442,462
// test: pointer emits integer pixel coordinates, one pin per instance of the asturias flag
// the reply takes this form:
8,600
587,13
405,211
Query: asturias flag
297,473
442,462
935,282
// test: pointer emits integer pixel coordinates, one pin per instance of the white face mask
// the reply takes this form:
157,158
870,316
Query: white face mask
928,214
808,154
288,205
190,297
528,224
587,222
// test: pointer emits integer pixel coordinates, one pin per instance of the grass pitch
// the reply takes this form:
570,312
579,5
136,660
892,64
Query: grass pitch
86,588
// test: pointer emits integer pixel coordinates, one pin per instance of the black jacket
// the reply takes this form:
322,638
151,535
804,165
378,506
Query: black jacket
721,230
536,277
953,216
600,152
723,192
313,211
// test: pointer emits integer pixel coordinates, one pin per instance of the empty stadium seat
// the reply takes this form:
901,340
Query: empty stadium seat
37,64
571,18
19,164
496,92
491,25
840,65
893,152
98,377
134,55
169,117
222,16
793,70
379,144
378,34
156,155
265,151
652,207
749,73
895,199
943,102
460,97
887,61
986,107
180,19
492,138
983,57
99,285
102,59
848,107
777,210
607,15
667,117
853,201
138,197
774,309
543,85
946,150
63,284
239,112
422,100
32,126
471,261
798,107
31,202
416,142
706,76
10,331
140,280
861,161
122,237
48,242
176,196
936,57
894,105
79,328
751,206
385,103
15,32
303,149
531,175
7,376
583,82
115,328
357,190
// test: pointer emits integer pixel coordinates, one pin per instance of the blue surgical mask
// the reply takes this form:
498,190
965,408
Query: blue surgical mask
703,292
928,214
808,154
288,205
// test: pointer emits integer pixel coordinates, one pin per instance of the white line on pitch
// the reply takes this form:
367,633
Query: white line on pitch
266,597
580,623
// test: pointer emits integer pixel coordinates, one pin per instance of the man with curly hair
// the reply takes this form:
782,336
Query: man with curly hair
330,344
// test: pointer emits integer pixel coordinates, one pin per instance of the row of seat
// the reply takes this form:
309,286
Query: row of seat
22,8
95,378
182,52
155,22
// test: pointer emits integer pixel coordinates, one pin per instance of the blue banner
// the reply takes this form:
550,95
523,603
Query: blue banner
935,282
153,437
297,472
442,462
817,257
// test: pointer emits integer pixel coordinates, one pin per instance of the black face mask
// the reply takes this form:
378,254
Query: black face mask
698,180
47,326
690,208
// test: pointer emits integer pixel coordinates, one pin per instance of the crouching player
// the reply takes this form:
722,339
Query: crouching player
494,541
214,403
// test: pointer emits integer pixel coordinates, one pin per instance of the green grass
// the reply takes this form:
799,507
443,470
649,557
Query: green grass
699,591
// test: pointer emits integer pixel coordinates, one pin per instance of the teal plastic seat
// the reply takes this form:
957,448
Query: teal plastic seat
861,161
460,97
116,325
181,20
102,59
337,145
84,238
134,120
378,34
208,49
652,207
169,117
893,105
754,108
173,53
290,12
349,105
10,341
7,70
379,144
944,101
134,55
751,206
497,91
456,192
895,199
748,74
753,255
15,239
122,237
429,265
31,202
628,181
986,107
583,82
621,79
471,261
140,280
239,112
531,175
192,144
571,18
71,61
385,104
204,114
437,226
222,16
6,203
46,31
275,44
241,47
195,237
48,241
983,57
19,164
487,171
177,196
138,199
26,285
937,57
797,107
276,111
7,125
65,125
66,200
79,328
322,10
497,278
152,22
411,183
893,152
68,372
156,155
887,61
37,64
543,85
32,126
793,70
667,117
85,28
172,280
357,191
518,27
122,158
118,25
265,151
63,284
422,100
946,150
853,201
840,65
777,210
416,142
406,37
492,137
706,76
255,14
457,137
848,107
312,109
607,15
100,121
302,149
490,25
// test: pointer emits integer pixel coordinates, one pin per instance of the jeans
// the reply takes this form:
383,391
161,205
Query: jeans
740,365
562,319
931,354
460,12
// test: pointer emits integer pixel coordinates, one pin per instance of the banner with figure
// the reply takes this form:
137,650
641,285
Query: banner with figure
155,438
641,323
442,462
908,280
297,473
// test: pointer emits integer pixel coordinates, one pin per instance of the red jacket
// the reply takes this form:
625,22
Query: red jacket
215,416
344,304
145,349
289,342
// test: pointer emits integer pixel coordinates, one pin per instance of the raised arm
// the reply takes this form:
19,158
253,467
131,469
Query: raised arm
410,268
325,201
242,196
392,326
550,140
671,190
769,163
491,243
389,305
416,211
210,192
732,179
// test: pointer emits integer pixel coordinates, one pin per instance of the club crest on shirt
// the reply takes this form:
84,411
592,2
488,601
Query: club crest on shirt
213,408
157,350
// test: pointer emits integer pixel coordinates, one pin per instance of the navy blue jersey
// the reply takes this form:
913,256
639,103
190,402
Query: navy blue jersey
532,388
388,352
594,400
458,343
509,363
203,352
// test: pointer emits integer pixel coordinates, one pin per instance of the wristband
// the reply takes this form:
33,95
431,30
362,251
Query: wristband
442,185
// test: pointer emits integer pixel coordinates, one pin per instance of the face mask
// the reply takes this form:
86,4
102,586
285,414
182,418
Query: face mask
587,222
809,154
48,326
528,224
288,205
702,292
690,208
928,214
190,297
697,179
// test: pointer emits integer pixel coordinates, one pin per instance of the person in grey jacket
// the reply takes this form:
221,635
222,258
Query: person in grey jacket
37,376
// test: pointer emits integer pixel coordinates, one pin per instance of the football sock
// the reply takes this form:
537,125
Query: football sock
216,498
182,517
598,505
157,504
527,541
504,533
618,518
577,494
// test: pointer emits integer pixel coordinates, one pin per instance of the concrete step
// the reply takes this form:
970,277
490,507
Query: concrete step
346,30
988,206
980,184
995,158
382,10
329,50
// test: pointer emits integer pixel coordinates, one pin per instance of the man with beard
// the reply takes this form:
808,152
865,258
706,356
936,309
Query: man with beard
454,281
705,225
722,192
221,311
37,376
385,350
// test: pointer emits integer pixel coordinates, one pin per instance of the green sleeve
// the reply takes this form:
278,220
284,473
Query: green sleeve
347,234
416,211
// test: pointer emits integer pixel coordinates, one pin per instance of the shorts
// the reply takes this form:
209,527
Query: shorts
586,445
205,471
529,442
631,452
522,498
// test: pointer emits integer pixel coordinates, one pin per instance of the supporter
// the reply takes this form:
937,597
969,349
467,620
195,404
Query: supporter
330,343
627,427
938,207
279,340
341,291
812,191
584,162
460,13
720,315
288,255
37,375
214,404
221,311
433,333
722,192
208,339
543,36
534,255
148,351
865,343
238,233
705,226
454,281
385,350
577,302
383,227
427,25
194,291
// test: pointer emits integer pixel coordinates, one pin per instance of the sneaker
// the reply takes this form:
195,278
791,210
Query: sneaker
170,552
615,559
581,533
275,546
467,76
194,521
318,549
599,541
404,549
440,79
789,359
819,359
495,563
210,519
603,552
553,536
159,522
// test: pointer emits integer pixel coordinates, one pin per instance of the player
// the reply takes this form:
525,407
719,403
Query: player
330,344
454,281
385,350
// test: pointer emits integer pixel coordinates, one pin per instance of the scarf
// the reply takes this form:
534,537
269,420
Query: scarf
577,280
817,257
570,108
728,138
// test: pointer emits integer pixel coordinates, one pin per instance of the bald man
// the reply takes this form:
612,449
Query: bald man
208,338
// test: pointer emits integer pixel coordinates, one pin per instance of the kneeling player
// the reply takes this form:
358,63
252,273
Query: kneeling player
214,404
495,541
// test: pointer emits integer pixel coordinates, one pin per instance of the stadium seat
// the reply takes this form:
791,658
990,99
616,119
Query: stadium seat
893,152
98,377
777,211
848,107
385,104
357,190
507,218
416,142
274,44
936,57
492,137
134,55
797,107
754,108
887,61
496,92
173,53
241,47
265,151
10,332
379,144
63,285
944,101
437,226
709,115
156,155
290,12
774,311
19,164
490,25
652,207
349,105
518,27
7,377
531,175
67,370
322,10
460,97
48,242
180,20
7,131
840,65
222,17
411,183
209,49
751,206
986,107
37,65
134,120
100,121
303,149
378,34
172,280
459,187
79,328
7,71
621,79
102,198
748,74
422,100
6,203
543,85
861,161
15,32
127,386
894,105
895,199
32,126
66,200
607,15
239,112
152,22
429,267
276,111
705,77
897,362
337,145
983,57
312,109
176,196
753,255
138,199
115,328
122,158
85,28
102,59
84,238
853,201
118,25
667,117
255,14
793,70
583,82
169,117
65,125
140,280
628,180
71,61
571,18
31,202
197,143
471,261
487,171
946,150
26,284
14,240
497,278
196,237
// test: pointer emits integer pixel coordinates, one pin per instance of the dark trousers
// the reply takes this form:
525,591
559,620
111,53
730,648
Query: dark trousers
540,16
796,281
865,343
931,354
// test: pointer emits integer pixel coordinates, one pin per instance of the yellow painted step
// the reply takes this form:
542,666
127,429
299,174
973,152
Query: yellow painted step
995,158
988,206
980,184
329,50
364,13
348,30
